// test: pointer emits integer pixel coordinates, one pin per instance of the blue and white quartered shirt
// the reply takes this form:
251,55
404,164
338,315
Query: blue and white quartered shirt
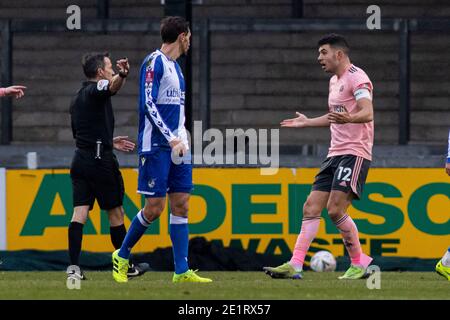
161,103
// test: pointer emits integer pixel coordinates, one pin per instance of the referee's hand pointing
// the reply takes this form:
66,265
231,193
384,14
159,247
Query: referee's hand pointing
122,144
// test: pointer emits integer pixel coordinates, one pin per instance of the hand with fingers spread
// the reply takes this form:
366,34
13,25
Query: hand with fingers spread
300,121
122,143
13,91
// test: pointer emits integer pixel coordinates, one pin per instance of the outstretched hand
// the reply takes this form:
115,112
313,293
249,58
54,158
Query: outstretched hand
122,144
15,91
299,122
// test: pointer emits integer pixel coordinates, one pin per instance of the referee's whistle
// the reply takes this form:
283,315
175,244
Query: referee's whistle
97,150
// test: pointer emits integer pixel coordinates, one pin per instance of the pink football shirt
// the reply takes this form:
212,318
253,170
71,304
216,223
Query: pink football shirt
349,138
2,92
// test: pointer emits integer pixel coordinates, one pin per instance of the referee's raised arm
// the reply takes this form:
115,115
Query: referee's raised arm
119,79
98,68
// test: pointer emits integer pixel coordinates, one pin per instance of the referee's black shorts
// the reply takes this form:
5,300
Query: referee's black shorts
96,179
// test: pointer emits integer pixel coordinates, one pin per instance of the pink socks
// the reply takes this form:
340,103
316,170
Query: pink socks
350,237
310,226
349,233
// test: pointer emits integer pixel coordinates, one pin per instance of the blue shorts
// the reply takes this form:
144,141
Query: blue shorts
159,175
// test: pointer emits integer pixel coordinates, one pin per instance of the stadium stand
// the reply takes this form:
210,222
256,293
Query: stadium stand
272,74
390,9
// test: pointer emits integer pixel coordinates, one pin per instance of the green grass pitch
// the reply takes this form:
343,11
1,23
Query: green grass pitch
226,286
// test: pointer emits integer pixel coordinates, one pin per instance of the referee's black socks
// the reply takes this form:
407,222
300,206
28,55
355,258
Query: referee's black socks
118,233
75,238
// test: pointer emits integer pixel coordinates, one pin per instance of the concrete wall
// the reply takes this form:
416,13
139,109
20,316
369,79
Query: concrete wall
257,79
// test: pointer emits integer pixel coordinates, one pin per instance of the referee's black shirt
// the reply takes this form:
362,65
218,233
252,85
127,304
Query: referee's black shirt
92,115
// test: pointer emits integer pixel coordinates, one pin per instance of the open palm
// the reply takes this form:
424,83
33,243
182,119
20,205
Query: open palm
15,91
123,144
298,122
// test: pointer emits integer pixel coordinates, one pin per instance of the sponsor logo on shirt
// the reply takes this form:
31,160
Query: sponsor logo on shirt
338,108
173,93
165,100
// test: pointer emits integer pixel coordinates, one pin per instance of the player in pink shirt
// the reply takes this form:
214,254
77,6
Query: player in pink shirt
13,91
342,175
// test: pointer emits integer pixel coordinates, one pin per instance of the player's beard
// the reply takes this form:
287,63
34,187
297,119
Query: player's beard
330,67
184,51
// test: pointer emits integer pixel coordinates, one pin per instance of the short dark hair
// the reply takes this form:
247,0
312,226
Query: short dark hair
172,27
92,61
335,40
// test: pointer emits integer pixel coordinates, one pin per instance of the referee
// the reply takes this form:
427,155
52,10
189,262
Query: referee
94,170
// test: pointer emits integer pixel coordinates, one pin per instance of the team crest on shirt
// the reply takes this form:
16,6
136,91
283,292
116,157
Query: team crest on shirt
341,88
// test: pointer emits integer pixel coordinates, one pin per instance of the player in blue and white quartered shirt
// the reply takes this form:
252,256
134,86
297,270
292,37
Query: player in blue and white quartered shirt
164,161
443,266
161,103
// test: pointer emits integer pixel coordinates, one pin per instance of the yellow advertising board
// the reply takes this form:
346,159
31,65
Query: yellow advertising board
403,212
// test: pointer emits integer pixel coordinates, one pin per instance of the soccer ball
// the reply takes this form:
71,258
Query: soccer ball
323,261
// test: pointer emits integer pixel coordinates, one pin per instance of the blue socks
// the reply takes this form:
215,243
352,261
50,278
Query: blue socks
179,234
137,228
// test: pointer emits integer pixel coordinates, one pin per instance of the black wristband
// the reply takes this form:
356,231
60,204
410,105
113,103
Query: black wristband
123,75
